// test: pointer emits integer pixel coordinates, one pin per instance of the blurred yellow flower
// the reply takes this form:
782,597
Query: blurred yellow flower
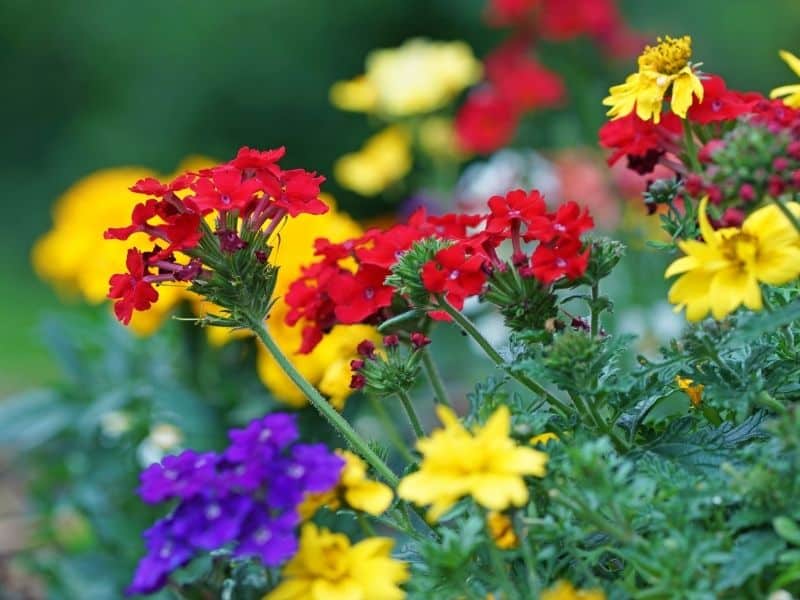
418,77
328,567
354,489
661,67
75,258
724,270
691,389
502,530
437,138
485,464
327,366
564,590
791,92
384,159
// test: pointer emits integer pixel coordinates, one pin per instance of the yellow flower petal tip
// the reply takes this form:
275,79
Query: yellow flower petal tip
789,93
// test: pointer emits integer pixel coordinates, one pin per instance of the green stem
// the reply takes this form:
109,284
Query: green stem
391,431
358,444
788,213
595,312
691,147
408,405
365,525
529,383
527,556
432,372
499,567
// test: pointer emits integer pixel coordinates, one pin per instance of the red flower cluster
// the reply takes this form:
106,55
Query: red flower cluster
516,82
348,284
558,20
252,187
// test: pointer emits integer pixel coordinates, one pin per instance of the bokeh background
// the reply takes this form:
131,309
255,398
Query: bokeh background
94,84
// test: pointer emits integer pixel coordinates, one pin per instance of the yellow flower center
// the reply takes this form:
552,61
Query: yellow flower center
741,248
669,56
332,560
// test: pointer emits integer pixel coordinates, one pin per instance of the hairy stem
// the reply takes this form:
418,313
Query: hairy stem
434,377
353,438
529,383
408,405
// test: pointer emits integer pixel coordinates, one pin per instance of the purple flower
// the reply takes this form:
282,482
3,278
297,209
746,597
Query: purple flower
179,476
273,540
245,497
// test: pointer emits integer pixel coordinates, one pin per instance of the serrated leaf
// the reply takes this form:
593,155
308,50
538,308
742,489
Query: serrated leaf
751,553
755,325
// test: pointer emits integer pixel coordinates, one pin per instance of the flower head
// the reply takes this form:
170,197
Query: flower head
328,567
485,464
384,160
246,496
501,529
663,68
790,93
691,389
726,268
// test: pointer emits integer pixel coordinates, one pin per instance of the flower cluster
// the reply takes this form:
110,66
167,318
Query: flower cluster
202,220
246,496
515,82
448,257
554,20
392,372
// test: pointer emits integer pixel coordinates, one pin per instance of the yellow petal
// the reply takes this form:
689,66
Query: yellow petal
372,497
791,60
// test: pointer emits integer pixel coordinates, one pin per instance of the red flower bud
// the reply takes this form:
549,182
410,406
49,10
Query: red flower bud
419,340
357,381
775,185
780,164
714,194
356,364
391,341
793,149
693,184
366,348
747,192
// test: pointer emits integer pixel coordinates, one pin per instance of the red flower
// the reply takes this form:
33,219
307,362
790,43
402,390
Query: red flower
130,290
719,103
457,272
223,189
256,160
552,262
567,223
521,79
297,192
419,340
384,248
447,226
632,136
517,207
486,121
359,296
153,187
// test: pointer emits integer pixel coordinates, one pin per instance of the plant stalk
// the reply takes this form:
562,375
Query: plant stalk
439,391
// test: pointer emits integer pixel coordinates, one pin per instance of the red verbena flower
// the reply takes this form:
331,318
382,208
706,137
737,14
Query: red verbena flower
515,208
486,121
633,137
552,262
130,290
567,223
521,79
719,103
457,272
359,296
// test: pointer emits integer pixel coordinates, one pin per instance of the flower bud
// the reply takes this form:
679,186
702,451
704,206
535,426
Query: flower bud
419,340
391,341
747,192
366,349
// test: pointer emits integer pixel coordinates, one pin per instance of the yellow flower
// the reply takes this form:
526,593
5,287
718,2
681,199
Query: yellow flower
691,389
502,530
724,270
354,489
418,77
437,138
791,92
543,438
485,464
74,257
660,67
328,567
564,590
384,159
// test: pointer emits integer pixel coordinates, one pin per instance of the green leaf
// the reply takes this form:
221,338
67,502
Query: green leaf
751,553
755,325
32,418
787,529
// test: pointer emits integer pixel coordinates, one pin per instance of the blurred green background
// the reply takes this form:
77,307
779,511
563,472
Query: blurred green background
99,83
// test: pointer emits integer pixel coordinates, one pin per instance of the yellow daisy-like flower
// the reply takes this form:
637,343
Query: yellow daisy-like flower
724,270
418,77
384,159
662,68
485,464
354,489
691,389
501,528
564,590
543,438
328,567
75,258
790,93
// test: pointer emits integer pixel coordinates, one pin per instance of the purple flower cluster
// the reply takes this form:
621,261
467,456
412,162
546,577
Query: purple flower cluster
245,497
